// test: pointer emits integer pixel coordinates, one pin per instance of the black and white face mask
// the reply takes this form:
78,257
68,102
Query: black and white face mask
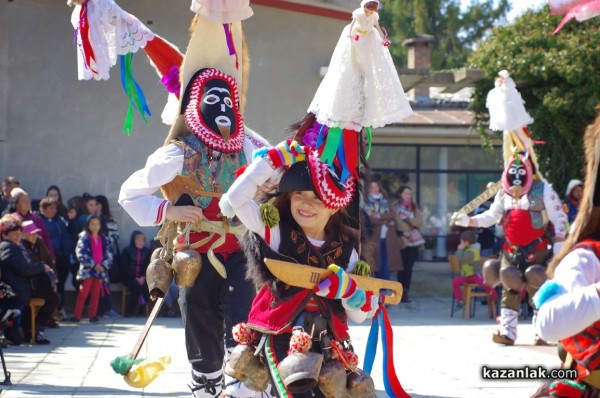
516,175
212,110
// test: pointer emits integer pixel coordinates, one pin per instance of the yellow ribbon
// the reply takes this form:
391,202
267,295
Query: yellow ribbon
145,372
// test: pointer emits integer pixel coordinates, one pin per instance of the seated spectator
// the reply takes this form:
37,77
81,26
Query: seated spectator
75,209
44,285
7,186
469,258
61,243
54,192
573,199
17,270
20,205
134,262
95,258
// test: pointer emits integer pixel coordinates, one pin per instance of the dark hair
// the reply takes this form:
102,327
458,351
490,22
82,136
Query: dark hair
380,185
86,198
9,223
103,201
10,180
401,190
57,189
76,203
469,235
89,221
47,201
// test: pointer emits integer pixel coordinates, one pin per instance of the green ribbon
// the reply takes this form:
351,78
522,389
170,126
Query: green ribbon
369,142
134,93
334,135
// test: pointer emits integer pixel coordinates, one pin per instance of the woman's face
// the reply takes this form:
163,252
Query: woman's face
310,213
370,8
49,212
14,236
30,237
91,206
23,205
139,241
406,195
94,226
53,193
374,188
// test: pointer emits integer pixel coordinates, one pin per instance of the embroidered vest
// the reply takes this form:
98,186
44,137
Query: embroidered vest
536,206
584,347
276,306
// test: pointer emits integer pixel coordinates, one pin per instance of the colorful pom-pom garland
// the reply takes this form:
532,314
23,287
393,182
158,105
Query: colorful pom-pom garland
347,358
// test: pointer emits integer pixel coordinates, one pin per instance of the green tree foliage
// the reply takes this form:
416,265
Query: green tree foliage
558,77
456,31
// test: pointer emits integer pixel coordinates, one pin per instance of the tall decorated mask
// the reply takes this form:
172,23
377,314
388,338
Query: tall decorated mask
518,176
211,110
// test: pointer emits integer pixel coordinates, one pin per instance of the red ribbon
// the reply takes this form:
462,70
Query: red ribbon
84,31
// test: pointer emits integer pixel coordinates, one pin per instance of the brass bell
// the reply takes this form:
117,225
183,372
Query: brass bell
156,254
332,380
360,385
300,371
159,277
187,265
248,368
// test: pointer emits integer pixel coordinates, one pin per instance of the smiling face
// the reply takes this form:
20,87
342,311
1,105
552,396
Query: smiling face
310,213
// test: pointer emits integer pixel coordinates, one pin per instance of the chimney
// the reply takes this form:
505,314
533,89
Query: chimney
419,57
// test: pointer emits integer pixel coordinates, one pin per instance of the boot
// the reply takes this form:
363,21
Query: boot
507,332
206,385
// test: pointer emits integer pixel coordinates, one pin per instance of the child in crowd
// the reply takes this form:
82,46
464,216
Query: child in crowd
134,262
309,231
95,258
469,258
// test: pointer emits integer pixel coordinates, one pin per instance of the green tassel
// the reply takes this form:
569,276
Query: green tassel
269,214
134,93
334,135
121,365
362,268
369,142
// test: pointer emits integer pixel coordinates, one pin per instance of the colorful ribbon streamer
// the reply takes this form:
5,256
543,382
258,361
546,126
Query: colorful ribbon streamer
392,385
230,44
334,135
369,142
134,93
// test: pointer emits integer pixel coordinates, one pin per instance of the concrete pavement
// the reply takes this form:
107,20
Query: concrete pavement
435,355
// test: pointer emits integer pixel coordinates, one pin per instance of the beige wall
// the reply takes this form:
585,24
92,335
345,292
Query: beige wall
55,129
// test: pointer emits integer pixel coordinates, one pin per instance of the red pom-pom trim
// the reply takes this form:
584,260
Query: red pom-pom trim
240,171
367,305
243,335
300,342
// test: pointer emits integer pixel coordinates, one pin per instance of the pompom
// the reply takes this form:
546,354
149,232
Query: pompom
242,334
300,341
362,268
240,171
566,388
367,306
347,358
269,214
171,80
260,152
357,300
548,290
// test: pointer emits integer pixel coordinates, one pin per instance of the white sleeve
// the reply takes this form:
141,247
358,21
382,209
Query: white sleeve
137,191
570,313
555,211
492,215
352,262
240,197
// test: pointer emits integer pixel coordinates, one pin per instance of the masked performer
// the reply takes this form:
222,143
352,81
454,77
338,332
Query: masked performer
523,207
207,143
569,303
304,225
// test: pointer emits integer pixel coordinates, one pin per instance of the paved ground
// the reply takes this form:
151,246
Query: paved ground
435,355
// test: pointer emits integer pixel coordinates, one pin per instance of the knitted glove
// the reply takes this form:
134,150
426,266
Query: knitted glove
286,153
341,286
